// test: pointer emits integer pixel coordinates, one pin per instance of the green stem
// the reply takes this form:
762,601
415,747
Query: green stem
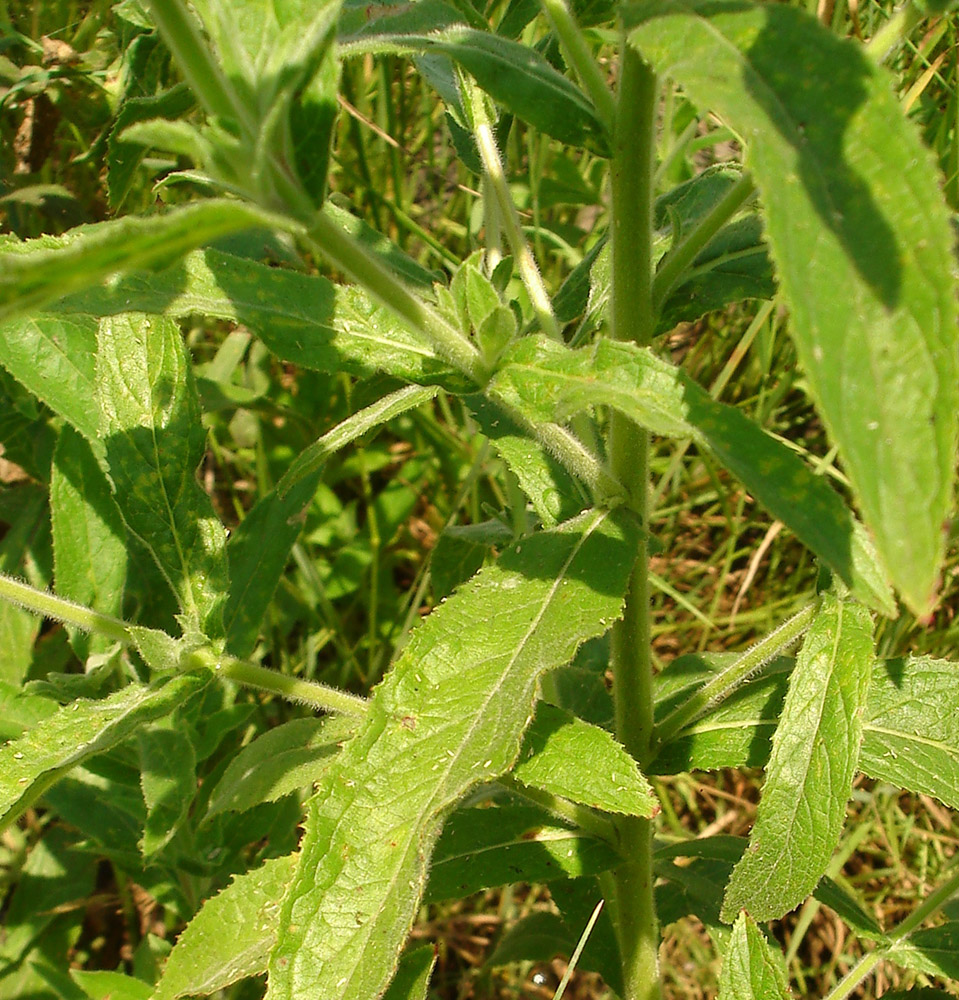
196,62
311,459
885,40
578,55
588,820
855,976
726,681
508,216
328,239
632,320
49,605
681,256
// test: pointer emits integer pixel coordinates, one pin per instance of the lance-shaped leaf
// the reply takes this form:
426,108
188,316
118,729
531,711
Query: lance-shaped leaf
809,775
31,764
89,537
34,273
154,443
167,778
450,714
204,958
752,970
912,727
485,847
581,762
932,950
545,380
412,978
862,245
301,318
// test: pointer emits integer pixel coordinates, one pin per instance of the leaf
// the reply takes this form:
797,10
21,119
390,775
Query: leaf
450,714
537,937
258,551
481,848
89,537
54,357
861,240
301,318
34,273
280,761
154,442
204,958
461,550
911,736
412,978
571,758
545,381
31,764
514,75
931,950
752,970
576,899
809,776
111,985
168,780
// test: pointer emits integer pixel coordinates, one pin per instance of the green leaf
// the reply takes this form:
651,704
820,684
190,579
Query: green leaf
537,937
258,551
54,357
931,950
89,537
450,714
919,993
154,443
282,760
809,776
485,847
205,958
546,381
576,899
301,318
412,978
111,985
514,75
583,763
461,550
861,240
34,273
168,780
911,736
752,969
31,764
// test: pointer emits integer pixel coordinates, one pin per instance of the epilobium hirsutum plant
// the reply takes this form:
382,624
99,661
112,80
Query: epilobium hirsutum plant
489,751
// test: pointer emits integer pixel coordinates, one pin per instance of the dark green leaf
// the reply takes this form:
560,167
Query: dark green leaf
814,757
861,240
752,969
412,978
168,779
538,937
450,714
931,950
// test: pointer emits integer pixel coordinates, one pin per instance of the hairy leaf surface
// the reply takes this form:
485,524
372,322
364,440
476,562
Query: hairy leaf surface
751,969
809,776
862,245
449,715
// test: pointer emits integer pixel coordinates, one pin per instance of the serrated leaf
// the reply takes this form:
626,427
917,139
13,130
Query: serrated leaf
481,848
33,273
168,780
204,958
53,356
853,212
450,714
301,318
911,736
931,950
282,760
412,978
89,537
545,380
814,757
154,443
573,759
31,764
752,970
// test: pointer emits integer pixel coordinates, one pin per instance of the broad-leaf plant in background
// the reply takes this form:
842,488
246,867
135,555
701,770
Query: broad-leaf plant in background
489,750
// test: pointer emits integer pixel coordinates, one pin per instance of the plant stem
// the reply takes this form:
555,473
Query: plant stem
508,216
577,53
588,820
726,681
329,240
312,458
684,253
885,40
632,319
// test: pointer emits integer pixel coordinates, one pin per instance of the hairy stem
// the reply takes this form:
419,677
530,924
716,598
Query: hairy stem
632,319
